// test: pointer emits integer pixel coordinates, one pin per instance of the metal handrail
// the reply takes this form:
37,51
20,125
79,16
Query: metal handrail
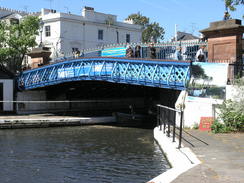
167,122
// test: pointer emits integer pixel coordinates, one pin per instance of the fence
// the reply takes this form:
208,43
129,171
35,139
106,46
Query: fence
166,119
166,50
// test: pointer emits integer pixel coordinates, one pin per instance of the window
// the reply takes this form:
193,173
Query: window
100,34
117,35
47,31
127,38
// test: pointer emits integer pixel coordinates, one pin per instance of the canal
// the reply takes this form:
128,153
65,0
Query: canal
86,154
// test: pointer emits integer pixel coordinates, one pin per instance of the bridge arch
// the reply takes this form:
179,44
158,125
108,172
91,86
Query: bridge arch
153,73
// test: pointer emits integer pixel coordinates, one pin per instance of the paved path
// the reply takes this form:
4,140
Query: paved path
222,157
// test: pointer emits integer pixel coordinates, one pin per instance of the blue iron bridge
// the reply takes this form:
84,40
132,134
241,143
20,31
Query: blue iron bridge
152,73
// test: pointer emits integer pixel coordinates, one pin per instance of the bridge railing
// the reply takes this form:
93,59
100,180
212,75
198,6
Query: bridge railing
165,50
154,73
166,121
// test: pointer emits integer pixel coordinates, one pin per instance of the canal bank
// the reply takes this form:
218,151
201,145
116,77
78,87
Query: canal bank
181,160
50,120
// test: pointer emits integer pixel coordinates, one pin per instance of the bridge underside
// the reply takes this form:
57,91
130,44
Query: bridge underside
152,73
104,97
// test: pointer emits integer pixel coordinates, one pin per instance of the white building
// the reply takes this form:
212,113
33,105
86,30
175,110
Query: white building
65,32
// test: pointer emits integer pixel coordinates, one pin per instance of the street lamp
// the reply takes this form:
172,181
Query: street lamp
41,30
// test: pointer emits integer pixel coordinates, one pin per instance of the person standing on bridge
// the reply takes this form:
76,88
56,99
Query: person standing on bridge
178,53
129,52
138,51
152,51
200,56
77,53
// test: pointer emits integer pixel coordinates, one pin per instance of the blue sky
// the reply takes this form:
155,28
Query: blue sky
190,15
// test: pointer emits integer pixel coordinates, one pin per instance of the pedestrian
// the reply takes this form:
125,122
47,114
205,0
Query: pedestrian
129,52
178,53
152,51
200,56
138,51
77,53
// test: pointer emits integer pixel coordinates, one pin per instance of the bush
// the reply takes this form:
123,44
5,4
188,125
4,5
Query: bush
232,115
218,127
232,112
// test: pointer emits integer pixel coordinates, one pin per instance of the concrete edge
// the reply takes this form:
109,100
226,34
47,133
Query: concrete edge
181,159
46,122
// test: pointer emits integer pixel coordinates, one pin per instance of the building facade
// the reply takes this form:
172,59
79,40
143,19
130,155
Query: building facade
65,32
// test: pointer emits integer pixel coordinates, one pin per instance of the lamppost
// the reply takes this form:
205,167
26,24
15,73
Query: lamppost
41,30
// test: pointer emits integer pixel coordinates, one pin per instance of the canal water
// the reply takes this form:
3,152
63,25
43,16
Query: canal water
86,154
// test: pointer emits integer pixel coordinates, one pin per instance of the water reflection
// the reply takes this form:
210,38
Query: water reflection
86,154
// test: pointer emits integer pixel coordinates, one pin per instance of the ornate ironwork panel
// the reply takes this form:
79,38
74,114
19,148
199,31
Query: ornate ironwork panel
153,73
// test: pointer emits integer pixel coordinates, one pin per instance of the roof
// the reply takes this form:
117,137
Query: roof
12,16
183,36
5,13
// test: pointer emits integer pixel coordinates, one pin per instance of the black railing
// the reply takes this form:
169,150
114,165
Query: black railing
166,120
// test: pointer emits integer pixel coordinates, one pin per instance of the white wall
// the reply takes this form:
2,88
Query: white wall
8,93
196,107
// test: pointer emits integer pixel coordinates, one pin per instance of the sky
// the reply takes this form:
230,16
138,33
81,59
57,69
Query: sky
189,15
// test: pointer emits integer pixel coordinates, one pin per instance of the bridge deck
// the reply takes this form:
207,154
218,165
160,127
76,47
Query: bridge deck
155,73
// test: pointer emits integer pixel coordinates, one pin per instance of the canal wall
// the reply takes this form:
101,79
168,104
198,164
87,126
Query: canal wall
36,102
44,121
181,159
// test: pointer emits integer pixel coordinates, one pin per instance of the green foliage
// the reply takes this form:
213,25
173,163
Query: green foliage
154,31
195,126
139,19
218,127
232,115
149,30
239,82
231,4
16,40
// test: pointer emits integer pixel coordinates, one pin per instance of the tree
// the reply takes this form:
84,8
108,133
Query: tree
231,4
153,31
16,39
149,30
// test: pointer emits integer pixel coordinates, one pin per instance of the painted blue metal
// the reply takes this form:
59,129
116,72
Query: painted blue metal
153,73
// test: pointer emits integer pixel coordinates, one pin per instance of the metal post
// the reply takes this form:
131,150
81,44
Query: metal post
164,121
160,118
174,126
168,121
158,115
181,124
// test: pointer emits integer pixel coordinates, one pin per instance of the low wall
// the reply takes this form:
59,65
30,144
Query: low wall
197,107
181,160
